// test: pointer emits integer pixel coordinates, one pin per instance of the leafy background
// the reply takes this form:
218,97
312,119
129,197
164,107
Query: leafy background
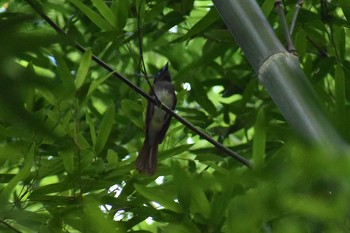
70,131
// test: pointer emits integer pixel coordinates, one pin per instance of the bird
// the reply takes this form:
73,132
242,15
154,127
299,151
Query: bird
157,121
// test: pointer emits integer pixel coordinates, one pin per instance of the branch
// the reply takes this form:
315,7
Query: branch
295,15
287,34
9,226
218,145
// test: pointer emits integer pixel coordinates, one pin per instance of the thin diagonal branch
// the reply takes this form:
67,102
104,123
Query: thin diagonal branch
140,36
287,35
205,136
142,65
9,226
295,16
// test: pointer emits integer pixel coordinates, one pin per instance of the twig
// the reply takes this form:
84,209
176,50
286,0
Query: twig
142,62
295,15
280,12
9,226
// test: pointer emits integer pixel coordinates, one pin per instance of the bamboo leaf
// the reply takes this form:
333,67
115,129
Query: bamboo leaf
202,98
95,84
106,12
267,7
340,95
93,16
83,69
67,157
20,176
30,91
97,219
191,195
134,112
105,128
339,41
92,128
65,73
159,196
121,7
259,140
211,17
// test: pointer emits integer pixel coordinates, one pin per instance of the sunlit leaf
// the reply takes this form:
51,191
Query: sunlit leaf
92,15
105,11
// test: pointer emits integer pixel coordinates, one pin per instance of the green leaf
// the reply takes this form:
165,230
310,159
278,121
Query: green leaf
346,11
105,128
95,84
196,116
159,196
202,25
191,195
140,7
199,202
155,11
96,219
174,151
249,91
202,98
43,190
133,111
267,7
339,40
259,140
20,176
30,91
67,157
83,69
93,16
301,42
65,74
112,157
92,128
343,3
174,227
340,96
121,7
106,12
26,219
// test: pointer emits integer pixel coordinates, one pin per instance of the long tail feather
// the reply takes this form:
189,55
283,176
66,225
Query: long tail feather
146,161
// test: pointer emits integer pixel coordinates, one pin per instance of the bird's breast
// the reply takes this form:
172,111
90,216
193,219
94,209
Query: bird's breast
165,97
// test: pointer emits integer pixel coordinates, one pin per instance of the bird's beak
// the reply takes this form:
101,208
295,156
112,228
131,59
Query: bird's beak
166,66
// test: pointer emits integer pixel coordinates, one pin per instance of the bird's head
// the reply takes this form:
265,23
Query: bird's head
163,74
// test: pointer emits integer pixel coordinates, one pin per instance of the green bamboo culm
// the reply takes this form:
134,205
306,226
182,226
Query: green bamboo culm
279,72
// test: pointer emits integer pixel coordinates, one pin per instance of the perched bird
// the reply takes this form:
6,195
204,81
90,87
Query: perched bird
157,122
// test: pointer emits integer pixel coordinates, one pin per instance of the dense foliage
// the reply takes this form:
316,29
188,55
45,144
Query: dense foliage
70,131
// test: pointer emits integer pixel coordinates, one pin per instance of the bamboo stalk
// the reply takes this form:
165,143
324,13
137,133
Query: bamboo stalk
279,72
